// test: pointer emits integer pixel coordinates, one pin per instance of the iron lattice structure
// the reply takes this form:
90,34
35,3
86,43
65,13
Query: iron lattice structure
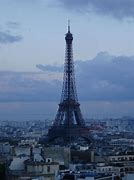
69,122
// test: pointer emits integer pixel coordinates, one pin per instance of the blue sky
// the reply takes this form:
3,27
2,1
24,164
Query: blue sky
41,25
32,50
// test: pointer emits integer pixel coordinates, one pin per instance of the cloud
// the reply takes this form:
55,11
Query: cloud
51,68
28,86
7,38
103,78
116,8
106,78
12,25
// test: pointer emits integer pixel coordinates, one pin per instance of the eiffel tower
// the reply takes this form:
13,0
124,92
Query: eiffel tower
69,123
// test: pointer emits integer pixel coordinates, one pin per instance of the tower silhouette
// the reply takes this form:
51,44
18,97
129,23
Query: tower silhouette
69,122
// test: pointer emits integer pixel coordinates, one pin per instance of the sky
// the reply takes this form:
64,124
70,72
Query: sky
32,50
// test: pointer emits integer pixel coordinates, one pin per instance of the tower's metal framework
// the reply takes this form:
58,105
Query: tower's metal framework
69,122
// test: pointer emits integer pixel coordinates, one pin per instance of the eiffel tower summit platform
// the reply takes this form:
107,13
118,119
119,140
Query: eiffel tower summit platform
69,123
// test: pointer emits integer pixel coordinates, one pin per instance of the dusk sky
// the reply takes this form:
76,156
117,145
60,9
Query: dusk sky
32,50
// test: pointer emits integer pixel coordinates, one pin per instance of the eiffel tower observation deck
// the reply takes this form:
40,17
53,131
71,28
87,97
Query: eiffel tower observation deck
69,123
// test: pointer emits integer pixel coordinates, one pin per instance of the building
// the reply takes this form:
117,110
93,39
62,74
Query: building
30,167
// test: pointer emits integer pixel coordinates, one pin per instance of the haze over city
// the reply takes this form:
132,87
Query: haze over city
32,56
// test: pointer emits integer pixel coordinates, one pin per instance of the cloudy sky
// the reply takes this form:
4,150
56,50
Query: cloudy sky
32,49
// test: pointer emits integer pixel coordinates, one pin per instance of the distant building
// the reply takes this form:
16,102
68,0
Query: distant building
5,148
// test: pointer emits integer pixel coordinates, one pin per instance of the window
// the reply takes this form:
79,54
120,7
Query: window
48,168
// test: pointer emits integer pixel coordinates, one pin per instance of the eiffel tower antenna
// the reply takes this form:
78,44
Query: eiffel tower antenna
69,26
